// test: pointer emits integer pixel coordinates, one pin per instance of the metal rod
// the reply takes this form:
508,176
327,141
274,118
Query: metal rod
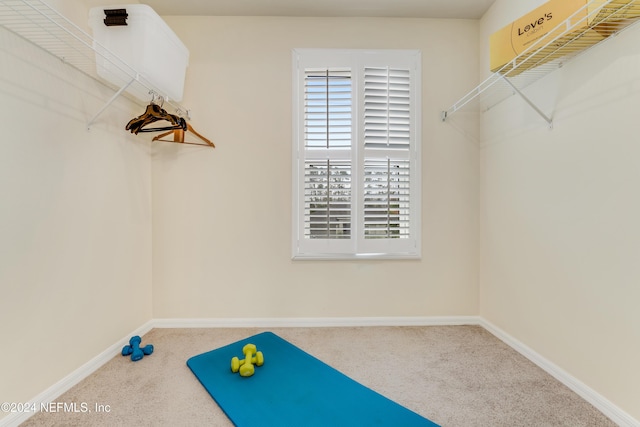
328,134
113,98
328,198
388,106
528,101
388,197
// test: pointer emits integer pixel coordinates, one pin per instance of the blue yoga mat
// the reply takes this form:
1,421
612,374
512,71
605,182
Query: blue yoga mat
294,389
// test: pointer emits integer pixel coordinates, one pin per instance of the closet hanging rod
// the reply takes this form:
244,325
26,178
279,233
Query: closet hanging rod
43,26
592,24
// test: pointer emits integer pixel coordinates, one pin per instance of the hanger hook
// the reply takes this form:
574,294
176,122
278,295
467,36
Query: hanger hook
156,99
183,113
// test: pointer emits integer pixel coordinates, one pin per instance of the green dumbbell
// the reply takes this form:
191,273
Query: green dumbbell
251,357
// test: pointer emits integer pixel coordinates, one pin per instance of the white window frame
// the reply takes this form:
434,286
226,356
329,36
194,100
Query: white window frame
356,247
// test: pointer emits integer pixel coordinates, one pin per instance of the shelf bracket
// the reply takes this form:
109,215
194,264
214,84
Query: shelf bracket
113,98
528,101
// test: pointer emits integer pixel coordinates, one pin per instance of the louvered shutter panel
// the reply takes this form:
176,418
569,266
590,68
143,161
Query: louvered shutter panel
328,138
387,153
328,107
327,211
387,102
386,199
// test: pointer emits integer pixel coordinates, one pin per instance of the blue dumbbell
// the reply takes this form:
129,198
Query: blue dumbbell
134,349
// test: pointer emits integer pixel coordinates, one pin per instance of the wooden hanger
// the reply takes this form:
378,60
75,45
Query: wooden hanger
177,123
178,136
152,114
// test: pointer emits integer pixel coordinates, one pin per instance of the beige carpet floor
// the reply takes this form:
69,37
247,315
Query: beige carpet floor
453,375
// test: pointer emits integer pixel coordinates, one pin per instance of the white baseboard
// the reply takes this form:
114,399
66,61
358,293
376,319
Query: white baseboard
312,322
616,414
56,390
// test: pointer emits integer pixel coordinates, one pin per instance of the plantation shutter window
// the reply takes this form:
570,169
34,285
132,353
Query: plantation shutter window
356,175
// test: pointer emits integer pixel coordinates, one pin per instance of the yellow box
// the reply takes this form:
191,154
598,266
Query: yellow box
590,23
620,9
616,15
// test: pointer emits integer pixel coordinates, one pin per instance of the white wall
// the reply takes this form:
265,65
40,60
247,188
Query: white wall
560,236
75,222
222,218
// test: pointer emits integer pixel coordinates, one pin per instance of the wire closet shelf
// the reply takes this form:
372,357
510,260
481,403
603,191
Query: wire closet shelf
45,27
595,22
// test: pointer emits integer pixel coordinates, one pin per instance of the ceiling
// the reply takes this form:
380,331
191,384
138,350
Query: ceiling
456,9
